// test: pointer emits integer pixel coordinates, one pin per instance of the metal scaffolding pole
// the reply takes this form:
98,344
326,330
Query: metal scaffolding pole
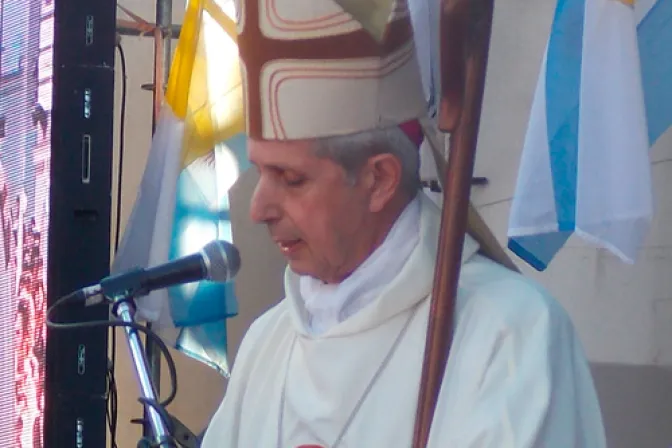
125,28
162,52
162,59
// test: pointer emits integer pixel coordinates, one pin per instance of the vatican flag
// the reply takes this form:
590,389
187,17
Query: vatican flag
197,154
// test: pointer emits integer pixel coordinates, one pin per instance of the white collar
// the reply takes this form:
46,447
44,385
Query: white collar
407,283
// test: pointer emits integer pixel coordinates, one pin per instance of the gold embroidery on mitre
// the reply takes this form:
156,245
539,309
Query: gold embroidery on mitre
628,2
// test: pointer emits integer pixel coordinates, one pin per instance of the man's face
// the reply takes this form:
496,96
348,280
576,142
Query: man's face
316,215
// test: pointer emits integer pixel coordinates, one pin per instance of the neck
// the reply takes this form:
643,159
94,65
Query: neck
379,229
387,218
329,304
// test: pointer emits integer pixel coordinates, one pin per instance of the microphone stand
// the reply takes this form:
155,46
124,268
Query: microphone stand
124,309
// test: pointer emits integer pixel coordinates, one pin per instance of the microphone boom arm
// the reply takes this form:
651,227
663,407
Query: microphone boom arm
124,310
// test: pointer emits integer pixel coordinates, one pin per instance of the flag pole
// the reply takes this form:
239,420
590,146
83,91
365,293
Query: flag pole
465,36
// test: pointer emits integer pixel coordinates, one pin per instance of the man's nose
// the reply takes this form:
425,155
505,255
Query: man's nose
264,206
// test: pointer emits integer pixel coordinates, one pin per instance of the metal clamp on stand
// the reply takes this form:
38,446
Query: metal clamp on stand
124,310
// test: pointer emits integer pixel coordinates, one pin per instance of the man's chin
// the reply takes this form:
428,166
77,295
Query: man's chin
299,268
305,270
302,268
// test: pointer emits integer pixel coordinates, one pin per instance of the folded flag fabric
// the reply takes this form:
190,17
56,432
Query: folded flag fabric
604,96
197,153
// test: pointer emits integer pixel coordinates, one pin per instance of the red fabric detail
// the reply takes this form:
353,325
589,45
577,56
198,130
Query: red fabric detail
414,131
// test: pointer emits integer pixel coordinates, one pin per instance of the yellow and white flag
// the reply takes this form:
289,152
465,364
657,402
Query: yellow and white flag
197,154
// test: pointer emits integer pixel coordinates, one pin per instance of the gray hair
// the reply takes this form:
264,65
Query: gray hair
353,150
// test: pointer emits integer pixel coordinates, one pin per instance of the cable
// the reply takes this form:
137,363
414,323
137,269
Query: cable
112,409
111,323
71,298
122,135
112,405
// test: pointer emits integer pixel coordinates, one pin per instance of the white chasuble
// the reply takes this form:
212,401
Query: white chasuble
516,377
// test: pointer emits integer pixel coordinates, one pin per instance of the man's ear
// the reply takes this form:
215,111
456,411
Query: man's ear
383,176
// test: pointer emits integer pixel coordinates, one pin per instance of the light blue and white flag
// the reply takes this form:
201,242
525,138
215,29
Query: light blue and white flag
603,98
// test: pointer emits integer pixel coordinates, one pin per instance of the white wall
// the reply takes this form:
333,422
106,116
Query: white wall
623,313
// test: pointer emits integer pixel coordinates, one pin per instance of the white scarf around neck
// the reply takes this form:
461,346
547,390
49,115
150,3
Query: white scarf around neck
328,305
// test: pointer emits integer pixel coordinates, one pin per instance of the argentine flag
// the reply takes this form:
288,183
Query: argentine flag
197,153
603,98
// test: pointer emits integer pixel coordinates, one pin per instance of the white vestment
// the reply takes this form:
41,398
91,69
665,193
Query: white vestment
517,375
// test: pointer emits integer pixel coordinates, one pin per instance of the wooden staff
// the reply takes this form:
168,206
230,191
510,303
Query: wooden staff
465,37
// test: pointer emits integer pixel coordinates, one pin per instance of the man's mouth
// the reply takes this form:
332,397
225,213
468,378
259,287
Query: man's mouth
288,246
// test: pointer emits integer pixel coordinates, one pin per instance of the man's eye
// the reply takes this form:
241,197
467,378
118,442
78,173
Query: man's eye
292,178
294,181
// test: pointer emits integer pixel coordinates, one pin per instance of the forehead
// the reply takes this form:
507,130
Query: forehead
296,153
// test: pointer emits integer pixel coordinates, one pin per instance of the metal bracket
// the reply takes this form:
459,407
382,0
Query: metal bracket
183,435
435,187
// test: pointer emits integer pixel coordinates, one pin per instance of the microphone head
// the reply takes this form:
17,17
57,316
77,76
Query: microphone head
222,260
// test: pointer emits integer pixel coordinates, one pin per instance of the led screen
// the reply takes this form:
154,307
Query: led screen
26,43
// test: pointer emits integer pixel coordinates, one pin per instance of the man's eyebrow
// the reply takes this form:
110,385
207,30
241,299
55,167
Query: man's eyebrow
275,166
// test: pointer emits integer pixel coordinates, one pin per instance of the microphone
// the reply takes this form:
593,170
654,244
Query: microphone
218,261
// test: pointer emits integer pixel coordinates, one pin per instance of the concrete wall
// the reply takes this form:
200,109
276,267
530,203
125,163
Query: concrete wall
635,404
623,313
